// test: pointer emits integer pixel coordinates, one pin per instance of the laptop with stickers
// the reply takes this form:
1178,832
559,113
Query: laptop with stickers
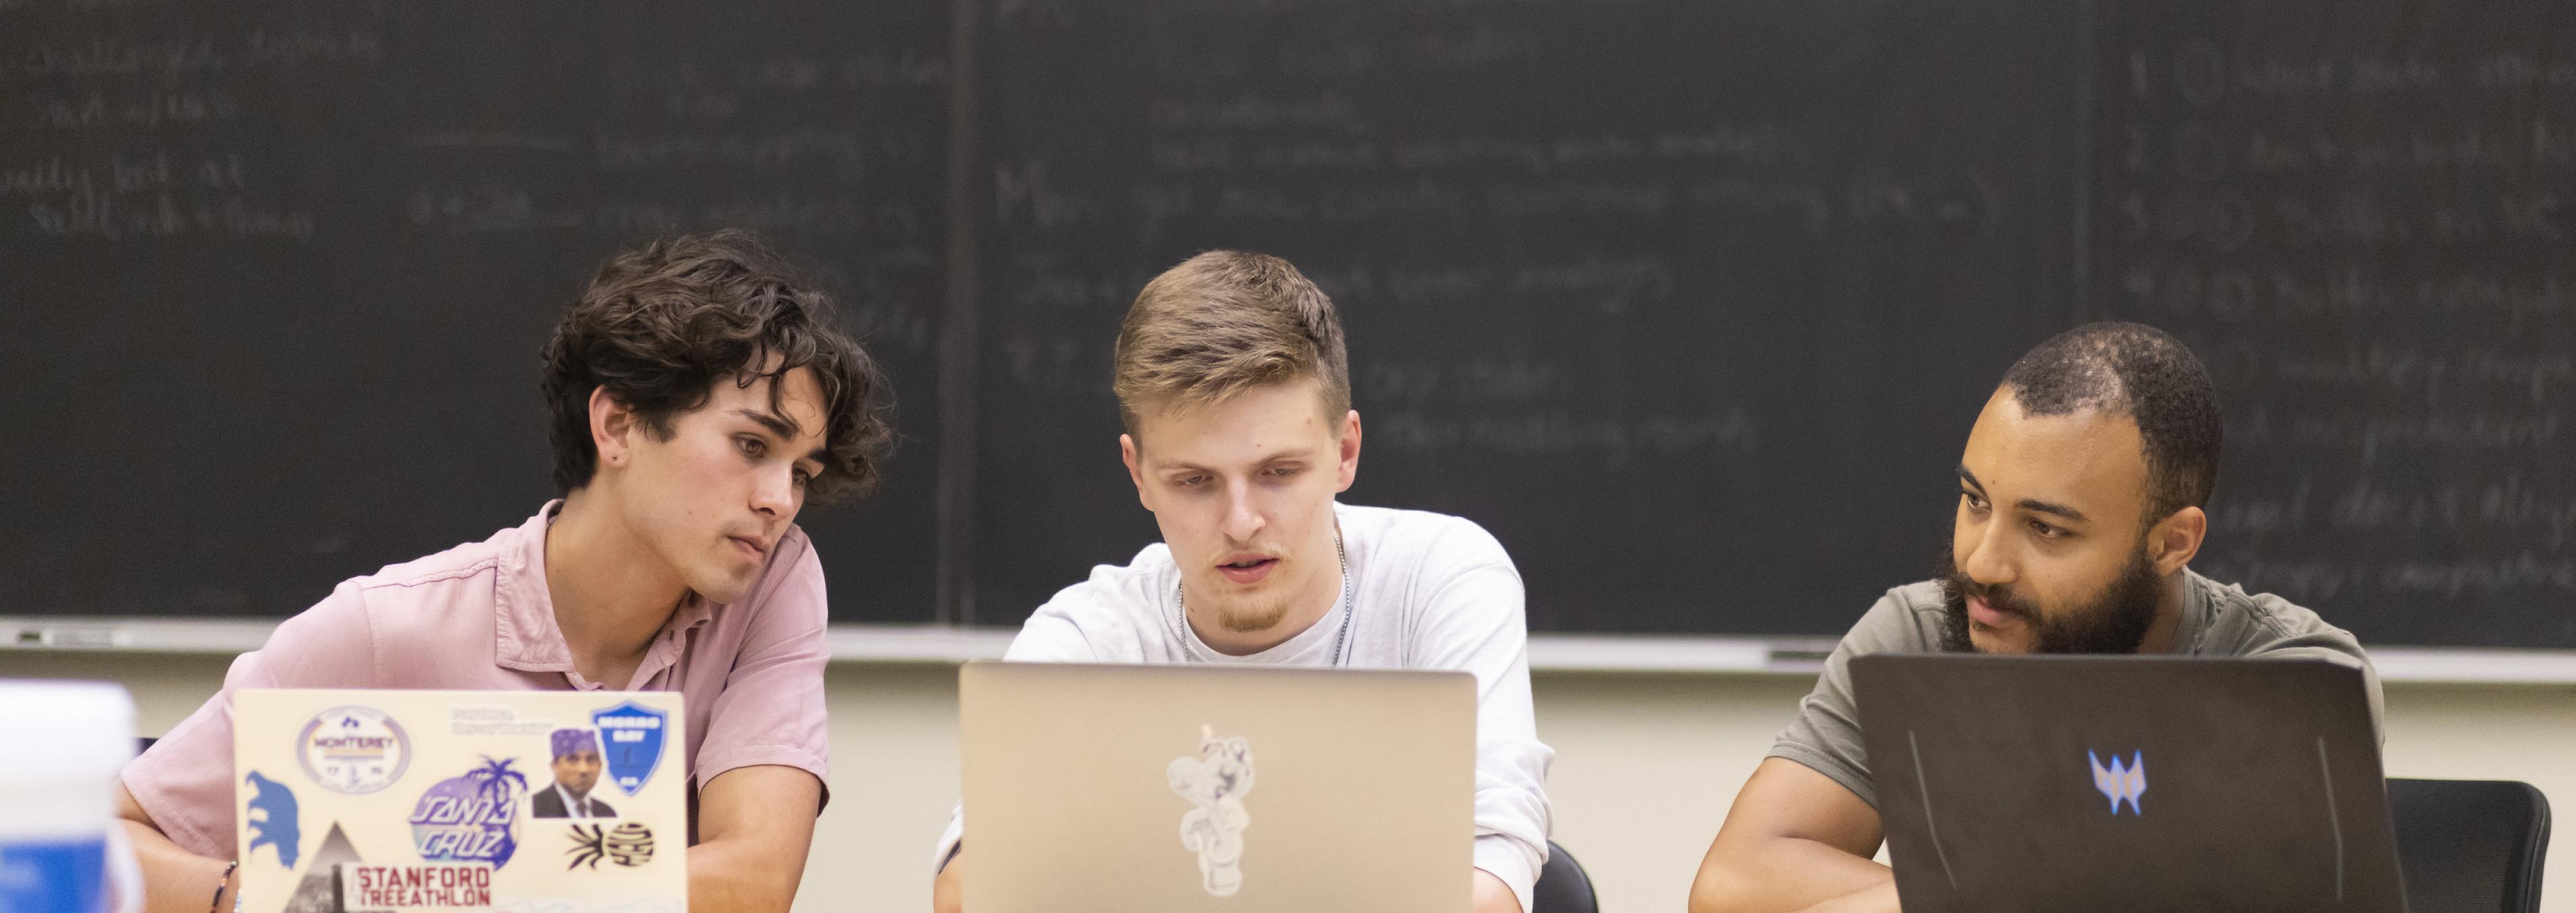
1247,790
2127,783
538,801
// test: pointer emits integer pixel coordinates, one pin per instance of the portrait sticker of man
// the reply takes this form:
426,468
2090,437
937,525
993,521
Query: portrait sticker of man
576,764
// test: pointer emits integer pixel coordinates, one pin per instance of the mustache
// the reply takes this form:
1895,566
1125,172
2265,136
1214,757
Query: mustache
1958,588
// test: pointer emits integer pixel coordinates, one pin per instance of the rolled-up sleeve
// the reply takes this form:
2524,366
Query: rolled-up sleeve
1825,735
1474,622
771,709
185,782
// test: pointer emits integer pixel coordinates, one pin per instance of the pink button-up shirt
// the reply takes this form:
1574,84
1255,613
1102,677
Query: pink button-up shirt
478,617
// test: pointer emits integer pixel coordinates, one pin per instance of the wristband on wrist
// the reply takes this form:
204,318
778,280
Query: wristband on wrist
215,904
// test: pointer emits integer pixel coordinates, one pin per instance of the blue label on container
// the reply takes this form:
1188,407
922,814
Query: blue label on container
53,876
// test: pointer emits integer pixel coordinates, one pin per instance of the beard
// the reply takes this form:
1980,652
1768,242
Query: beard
2114,622
1251,616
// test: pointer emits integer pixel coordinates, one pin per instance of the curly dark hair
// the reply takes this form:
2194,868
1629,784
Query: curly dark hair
659,326
2138,371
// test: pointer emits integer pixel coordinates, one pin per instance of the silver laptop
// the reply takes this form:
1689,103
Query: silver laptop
1180,788
2125,783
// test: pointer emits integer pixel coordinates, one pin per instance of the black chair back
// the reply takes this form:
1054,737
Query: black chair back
2470,846
1562,886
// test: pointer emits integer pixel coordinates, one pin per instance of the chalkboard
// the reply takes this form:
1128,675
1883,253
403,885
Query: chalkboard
276,272
1690,303
2362,220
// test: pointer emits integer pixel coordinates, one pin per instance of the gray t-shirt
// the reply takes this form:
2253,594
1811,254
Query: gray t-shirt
2216,621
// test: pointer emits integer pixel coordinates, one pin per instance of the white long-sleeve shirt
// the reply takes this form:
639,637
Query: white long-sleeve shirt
1429,591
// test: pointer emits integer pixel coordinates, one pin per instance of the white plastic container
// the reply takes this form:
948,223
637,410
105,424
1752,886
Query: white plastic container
61,851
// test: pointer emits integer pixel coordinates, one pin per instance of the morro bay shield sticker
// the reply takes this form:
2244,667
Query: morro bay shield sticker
633,743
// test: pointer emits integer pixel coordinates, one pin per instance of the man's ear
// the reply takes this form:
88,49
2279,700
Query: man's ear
1127,454
2177,539
612,428
1350,456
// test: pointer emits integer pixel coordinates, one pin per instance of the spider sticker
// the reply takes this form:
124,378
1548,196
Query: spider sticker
629,845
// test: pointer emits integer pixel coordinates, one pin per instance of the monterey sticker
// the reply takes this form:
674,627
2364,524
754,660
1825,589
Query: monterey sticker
353,750
634,748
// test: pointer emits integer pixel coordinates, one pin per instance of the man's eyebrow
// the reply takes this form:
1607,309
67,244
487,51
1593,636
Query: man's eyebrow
780,425
1280,455
2046,507
2030,504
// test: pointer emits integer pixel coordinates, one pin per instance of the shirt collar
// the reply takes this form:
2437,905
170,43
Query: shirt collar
527,638
574,806
2199,608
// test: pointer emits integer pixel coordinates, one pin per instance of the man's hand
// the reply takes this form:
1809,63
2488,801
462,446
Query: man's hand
1795,840
752,839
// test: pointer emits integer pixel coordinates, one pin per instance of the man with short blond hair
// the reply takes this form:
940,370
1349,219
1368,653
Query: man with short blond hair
1235,390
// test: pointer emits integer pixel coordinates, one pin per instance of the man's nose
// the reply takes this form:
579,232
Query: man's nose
1990,560
775,494
1243,517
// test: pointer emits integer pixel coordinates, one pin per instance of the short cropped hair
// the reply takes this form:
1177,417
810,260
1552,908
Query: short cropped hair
659,326
2137,371
1223,322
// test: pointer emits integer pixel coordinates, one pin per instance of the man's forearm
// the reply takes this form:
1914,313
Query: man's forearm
1779,875
729,877
175,880
1878,898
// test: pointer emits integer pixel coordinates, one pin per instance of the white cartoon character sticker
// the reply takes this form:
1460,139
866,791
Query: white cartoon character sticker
1215,783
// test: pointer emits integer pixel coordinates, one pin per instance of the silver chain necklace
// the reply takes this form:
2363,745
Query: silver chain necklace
1181,609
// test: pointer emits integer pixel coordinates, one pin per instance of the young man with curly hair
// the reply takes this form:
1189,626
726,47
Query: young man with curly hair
699,396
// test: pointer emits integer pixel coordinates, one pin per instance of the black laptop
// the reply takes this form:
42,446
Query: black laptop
2119,783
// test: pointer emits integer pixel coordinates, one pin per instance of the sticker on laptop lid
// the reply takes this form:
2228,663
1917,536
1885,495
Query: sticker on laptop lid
575,790
472,817
417,886
352,749
629,845
2122,781
273,821
319,891
1215,783
634,747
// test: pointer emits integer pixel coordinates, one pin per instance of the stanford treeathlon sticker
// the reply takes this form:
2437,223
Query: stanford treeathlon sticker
354,750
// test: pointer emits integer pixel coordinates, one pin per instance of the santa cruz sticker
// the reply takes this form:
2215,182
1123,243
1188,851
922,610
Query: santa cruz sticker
471,818
354,750
634,748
